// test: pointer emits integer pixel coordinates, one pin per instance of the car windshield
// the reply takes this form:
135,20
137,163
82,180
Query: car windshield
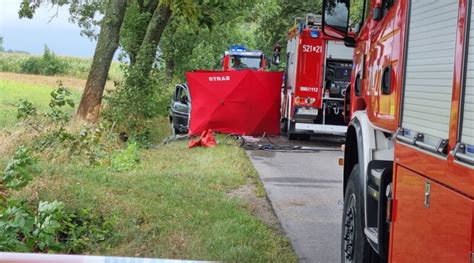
239,62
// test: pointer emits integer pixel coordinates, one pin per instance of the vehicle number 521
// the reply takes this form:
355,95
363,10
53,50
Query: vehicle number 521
311,48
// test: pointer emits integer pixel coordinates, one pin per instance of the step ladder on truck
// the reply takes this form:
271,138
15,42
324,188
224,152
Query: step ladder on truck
318,70
408,175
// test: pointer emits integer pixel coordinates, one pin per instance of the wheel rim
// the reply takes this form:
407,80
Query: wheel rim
349,230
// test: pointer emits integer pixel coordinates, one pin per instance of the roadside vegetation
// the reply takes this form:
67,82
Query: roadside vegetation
68,188
82,165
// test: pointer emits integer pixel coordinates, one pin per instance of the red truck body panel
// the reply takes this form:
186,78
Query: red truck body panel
310,69
441,233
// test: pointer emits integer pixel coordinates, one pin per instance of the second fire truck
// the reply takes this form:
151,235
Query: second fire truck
318,70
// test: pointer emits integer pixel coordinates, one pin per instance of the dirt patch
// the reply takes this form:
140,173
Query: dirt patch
259,206
49,81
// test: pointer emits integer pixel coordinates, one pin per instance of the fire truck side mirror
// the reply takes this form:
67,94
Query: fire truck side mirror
336,18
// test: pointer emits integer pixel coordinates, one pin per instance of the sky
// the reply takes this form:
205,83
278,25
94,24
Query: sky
61,36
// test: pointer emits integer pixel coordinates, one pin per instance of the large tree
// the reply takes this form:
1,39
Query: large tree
107,44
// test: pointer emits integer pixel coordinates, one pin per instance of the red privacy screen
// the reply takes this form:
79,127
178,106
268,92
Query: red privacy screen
242,102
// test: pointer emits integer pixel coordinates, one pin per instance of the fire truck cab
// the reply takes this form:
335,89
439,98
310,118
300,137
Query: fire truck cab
239,58
409,153
318,70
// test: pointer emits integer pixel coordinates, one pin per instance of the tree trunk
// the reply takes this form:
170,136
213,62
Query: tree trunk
139,33
147,53
107,44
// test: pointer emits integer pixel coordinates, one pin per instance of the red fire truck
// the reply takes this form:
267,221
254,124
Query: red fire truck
318,70
409,153
239,58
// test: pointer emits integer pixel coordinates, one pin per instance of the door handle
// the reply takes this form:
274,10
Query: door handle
427,194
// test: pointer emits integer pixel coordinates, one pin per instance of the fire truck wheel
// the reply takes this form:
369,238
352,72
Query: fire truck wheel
354,245
305,137
284,125
290,131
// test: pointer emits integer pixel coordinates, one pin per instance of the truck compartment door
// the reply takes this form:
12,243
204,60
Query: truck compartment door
431,223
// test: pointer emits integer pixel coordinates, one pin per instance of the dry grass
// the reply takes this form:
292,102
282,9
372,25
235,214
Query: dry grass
49,81
9,140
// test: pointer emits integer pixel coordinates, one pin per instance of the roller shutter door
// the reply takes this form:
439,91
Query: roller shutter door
430,67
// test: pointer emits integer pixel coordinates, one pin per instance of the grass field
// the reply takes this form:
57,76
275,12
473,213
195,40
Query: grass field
11,91
77,67
177,203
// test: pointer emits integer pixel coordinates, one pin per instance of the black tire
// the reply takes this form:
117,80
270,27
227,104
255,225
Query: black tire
354,245
305,137
290,133
284,126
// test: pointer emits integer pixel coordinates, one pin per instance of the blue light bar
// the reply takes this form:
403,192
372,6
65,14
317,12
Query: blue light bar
314,34
237,48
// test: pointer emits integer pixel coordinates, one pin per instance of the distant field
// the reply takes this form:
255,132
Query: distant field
77,67
12,91
49,81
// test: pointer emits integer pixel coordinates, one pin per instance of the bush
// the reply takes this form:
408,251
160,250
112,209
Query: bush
127,159
137,102
48,227
25,109
48,64
20,170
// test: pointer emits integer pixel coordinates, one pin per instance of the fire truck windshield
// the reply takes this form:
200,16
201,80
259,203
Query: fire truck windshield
240,62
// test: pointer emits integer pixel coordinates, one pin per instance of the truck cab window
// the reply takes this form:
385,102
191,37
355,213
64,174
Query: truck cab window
358,14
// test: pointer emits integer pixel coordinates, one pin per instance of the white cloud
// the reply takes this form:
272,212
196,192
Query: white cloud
45,16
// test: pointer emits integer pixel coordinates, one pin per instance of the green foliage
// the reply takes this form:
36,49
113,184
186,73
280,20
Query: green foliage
356,12
189,45
60,98
48,225
15,221
13,91
76,67
25,109
136,100
95,144
275,17
48,64
52,139
49,228
126,159
20,169
84,229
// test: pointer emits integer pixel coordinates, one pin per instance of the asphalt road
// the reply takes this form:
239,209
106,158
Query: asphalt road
305,190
